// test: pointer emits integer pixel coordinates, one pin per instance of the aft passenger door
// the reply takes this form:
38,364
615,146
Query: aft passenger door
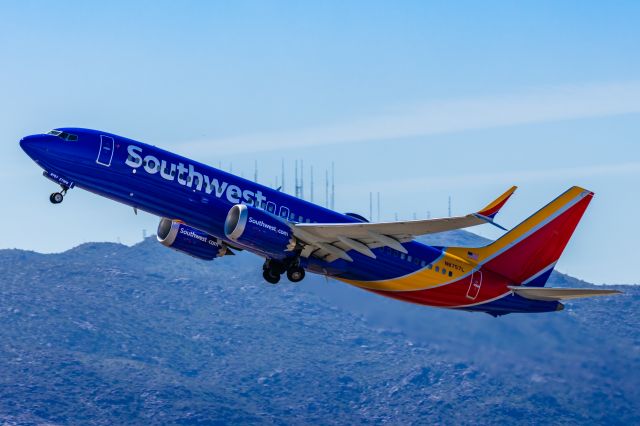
474,284
105,155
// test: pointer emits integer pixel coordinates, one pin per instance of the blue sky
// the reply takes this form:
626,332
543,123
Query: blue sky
417,100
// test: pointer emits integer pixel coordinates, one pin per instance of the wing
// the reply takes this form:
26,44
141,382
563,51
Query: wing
333,240
557,294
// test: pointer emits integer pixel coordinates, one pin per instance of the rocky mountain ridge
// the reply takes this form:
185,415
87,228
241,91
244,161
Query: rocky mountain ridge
109,334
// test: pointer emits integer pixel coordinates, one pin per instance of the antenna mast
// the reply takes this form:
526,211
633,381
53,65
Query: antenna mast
311,193
333,186
255,172
370,206
326,188
282,180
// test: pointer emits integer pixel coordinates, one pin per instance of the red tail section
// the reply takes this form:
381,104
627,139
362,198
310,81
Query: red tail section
527,254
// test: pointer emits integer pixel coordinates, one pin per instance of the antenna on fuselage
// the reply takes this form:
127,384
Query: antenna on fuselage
449,205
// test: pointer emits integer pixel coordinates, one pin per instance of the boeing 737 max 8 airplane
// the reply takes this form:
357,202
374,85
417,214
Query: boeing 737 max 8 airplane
208,213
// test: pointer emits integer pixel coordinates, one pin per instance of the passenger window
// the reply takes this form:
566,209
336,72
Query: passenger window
450,273
402,256
437,269
423,263
430,266
284,212
444,271
409,258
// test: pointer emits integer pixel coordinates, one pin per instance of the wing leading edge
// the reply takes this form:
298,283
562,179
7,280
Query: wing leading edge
333,240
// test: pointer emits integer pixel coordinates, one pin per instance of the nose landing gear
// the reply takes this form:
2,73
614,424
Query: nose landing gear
273,269
58,197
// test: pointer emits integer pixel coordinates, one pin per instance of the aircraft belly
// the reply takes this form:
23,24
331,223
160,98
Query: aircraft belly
428,290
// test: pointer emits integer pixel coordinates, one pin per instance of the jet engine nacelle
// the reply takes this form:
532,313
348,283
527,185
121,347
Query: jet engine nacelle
260,230
183,238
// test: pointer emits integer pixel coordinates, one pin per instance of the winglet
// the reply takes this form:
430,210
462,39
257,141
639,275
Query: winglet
489,212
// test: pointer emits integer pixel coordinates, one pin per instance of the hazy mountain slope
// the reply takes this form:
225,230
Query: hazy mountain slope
107,334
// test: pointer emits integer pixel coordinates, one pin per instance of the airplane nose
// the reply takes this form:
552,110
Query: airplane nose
32,145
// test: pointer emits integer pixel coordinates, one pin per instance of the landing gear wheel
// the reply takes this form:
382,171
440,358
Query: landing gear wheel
56,198
270,277
295,274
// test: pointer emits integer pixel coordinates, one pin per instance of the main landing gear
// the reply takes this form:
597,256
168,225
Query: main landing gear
273,269
58,197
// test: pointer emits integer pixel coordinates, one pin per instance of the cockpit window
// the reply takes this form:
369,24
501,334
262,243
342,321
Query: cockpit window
64,135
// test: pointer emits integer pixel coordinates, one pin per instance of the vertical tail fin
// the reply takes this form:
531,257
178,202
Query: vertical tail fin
528,253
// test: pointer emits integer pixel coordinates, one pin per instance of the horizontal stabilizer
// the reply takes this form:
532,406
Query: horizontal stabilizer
556,294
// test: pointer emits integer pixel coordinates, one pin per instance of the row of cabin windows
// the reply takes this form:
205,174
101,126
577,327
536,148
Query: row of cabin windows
284,212
419,262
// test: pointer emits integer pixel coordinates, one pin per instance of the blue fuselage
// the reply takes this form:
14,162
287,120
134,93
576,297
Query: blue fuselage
168,185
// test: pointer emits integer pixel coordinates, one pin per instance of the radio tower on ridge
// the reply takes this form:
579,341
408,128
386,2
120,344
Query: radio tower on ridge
311,189
302,179
326,188
282,177
295,186
333,186
255,172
